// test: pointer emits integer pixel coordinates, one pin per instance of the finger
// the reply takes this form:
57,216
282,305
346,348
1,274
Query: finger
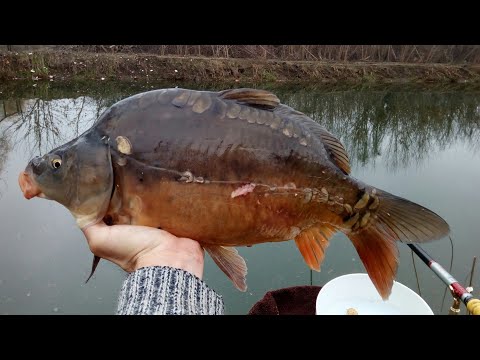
92,229
96,236
139,234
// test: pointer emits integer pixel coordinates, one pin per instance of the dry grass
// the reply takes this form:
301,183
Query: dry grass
338,53
130,66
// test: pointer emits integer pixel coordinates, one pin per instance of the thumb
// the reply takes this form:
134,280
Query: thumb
96,234
92,229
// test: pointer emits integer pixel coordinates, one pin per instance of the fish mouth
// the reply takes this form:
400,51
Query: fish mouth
28,186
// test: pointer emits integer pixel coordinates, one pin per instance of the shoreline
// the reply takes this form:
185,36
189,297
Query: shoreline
41,66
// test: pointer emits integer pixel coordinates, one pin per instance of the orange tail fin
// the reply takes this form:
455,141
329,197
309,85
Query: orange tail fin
379,255
379,221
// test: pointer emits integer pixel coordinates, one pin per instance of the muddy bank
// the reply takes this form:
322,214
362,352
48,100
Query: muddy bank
60,65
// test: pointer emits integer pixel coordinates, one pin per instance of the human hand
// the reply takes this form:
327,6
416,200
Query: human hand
132,247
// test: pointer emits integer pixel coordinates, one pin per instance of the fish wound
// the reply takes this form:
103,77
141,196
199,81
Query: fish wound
242,190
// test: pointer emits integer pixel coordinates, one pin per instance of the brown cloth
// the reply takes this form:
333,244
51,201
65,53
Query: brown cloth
296,300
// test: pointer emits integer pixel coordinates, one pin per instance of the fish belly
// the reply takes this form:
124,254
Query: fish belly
222,213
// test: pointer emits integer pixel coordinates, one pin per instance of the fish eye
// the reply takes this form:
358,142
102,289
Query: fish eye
56,163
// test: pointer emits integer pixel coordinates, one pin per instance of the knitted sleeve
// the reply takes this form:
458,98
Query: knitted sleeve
167,291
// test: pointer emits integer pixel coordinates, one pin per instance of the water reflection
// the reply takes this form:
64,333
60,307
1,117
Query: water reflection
407,126
5,147
44,259
49,116
44,124
400,126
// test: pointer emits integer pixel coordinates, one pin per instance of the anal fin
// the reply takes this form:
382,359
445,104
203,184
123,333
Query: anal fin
231,263
313,243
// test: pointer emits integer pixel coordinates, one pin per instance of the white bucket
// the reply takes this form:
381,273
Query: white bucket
356,294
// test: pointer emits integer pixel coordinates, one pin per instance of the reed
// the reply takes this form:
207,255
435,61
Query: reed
337,53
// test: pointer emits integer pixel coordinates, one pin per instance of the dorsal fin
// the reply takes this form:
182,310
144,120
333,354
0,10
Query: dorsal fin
334,147
252,97
312,244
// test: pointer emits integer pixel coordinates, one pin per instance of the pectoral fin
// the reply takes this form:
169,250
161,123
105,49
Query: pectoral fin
231,263
95,262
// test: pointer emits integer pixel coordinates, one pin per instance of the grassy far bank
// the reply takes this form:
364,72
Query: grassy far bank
80,66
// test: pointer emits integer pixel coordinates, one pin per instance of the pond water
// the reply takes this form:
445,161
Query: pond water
419,143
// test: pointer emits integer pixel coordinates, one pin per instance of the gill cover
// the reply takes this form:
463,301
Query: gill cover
91,189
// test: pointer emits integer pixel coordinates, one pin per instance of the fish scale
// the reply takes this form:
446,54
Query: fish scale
230,168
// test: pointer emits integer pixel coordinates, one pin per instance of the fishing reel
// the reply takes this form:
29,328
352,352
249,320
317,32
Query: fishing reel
455,307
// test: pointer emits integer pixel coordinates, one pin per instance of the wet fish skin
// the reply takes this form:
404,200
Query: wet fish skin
232,168
84,181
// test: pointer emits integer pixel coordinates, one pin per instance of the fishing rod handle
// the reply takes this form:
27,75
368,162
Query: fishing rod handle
474,306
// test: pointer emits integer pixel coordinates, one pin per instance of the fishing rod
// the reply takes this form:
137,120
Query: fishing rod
458,291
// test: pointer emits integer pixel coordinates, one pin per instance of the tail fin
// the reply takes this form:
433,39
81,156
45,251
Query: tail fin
378,223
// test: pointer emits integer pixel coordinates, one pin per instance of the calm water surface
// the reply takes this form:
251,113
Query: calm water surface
421,144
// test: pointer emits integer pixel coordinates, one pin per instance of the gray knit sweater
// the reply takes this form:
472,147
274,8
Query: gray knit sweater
164,290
